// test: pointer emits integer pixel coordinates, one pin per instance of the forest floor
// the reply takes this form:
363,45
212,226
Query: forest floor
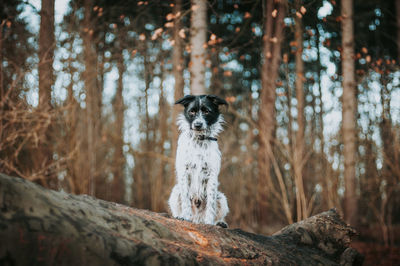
377,254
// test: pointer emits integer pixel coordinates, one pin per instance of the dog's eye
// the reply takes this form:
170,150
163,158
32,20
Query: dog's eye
192,112
205,111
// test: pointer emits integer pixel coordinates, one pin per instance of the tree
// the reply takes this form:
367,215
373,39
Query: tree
298,159
90,79
119,108
177,64
273,35
398,28
198,42
46,54
349,108
35,230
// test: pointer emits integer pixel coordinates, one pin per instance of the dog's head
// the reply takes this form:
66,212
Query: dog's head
202,111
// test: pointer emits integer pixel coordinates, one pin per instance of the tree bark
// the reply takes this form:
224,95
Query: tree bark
397,2
198,35
349,109
46,79
119,108
90,79
298,157
46,53
177,62
266,122
44,227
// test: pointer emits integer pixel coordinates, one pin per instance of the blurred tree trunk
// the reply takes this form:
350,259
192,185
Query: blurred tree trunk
2,90
178,64
72,133
117,191
349,109
46,53
90,80
398,28
2,87
216,86
198,41
159,194
271,54
298,158
46,78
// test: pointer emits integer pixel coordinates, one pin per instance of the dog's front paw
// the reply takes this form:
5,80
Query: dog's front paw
222,224
182,219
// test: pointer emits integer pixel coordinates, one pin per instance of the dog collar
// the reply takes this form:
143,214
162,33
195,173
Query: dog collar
202,137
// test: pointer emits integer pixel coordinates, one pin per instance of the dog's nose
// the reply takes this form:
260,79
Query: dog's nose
198,125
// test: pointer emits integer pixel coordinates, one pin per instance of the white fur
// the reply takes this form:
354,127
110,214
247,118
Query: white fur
197,166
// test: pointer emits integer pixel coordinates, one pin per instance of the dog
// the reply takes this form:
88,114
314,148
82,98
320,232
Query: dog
195,197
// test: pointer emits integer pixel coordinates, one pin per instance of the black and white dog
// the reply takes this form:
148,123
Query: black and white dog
195,197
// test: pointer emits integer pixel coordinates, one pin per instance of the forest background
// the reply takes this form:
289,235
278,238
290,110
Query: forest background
87,93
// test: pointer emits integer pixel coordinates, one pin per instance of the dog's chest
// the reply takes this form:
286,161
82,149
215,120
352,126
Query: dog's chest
200,160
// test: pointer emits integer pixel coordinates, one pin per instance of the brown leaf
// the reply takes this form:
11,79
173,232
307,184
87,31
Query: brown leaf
274,13
230,99
194,7
170,16
182,33
364,50
142,37
247,15
285,58
157,33
228,73
169,24
303,10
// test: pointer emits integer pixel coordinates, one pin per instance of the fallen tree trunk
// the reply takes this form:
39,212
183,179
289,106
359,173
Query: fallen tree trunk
45,227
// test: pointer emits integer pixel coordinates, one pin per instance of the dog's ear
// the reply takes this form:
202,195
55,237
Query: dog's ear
186,100
217,100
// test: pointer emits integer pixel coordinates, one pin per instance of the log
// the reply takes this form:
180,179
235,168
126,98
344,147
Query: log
45,227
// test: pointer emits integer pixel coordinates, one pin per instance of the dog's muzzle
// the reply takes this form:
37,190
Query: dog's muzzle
198,125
